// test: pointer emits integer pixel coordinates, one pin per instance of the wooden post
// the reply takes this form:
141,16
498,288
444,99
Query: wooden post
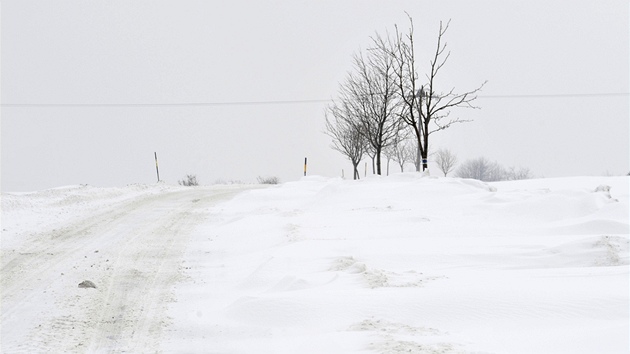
305,166
157,170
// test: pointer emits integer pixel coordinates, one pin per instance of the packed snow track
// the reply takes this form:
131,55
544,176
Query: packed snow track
131,248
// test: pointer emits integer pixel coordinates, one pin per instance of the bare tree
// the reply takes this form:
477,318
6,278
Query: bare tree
411,150
384,92
424,108
445,160
345,134
370,151
369,93
401,151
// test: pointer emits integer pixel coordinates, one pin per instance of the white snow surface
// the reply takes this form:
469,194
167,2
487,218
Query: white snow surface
399,264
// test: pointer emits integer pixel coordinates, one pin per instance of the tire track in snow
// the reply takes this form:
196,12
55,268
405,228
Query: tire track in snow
32,263
139,289
132,251
36,274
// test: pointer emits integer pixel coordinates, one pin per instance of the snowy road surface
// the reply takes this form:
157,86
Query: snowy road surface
130,248
402,264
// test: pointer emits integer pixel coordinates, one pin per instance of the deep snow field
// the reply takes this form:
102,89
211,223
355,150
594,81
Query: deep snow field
399,264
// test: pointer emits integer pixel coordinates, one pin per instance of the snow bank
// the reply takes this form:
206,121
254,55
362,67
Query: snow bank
410,264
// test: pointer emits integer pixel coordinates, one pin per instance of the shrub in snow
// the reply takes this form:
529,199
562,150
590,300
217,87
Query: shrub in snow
268,180
606,190
484,170
191,180
603,188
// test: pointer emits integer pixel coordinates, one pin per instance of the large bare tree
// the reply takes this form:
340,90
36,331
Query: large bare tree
424,108
370,94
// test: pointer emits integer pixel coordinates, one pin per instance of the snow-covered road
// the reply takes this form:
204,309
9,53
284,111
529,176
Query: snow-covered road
129,245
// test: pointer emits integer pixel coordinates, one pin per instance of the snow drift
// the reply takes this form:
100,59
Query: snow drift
385,265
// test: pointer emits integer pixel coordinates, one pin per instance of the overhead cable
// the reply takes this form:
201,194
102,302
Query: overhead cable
287,102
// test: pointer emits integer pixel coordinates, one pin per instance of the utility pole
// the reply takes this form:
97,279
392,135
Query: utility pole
420,159
419,153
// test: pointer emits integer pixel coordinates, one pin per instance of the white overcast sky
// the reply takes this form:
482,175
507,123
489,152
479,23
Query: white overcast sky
236,53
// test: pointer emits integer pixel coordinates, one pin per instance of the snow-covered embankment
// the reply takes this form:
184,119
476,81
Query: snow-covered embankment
410,264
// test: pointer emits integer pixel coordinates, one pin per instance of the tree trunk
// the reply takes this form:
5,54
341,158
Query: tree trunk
425,162
378,162
425,152
418,157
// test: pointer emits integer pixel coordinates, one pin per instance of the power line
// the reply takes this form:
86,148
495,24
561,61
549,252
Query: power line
560,95
282,102
181,104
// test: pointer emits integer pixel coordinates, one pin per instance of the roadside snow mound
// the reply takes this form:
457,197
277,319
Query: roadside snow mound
411,264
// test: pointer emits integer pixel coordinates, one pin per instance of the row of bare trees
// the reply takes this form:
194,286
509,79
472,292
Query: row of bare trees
478,168
383,101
